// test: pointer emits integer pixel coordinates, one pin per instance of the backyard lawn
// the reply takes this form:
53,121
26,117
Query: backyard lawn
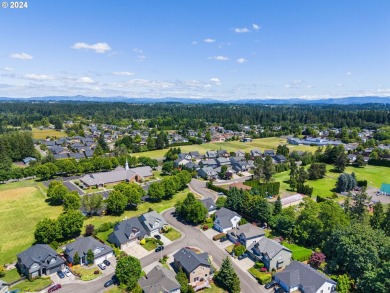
22,205
172,234
260,143
33,286
42,134
299,253
213,289
11,276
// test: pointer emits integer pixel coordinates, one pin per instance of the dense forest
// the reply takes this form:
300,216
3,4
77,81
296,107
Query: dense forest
173,115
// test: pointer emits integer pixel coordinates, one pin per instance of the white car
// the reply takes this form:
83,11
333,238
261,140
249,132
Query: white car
102,266
67,272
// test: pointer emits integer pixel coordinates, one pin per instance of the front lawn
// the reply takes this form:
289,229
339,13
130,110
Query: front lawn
33,286
214,289
150,244
172,234
11,276
87,274
230,248
299,253
22,206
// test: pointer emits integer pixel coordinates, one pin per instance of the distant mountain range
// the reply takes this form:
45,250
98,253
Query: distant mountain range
291,101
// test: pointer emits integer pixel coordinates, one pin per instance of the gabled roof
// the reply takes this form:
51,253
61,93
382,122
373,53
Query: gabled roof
189,260
38,253
297,274
159,280
123,230
145,171
267,246
209,162
269,152
209,204
223,160
248,230
224,216
83,244
150,219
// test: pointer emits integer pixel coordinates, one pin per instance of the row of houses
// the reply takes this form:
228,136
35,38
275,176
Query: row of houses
77,147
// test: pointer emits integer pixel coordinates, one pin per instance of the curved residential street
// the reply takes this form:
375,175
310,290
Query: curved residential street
191,236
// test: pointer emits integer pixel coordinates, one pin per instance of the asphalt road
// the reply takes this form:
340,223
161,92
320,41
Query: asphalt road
199,187
191,236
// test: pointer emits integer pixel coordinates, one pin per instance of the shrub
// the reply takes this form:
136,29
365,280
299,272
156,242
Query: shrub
239,249
259,265
205,227
54,245
261,277
96,272
105,227
218,236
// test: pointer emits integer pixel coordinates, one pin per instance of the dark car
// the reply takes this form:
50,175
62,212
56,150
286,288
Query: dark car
242,256
280,290
159,248
106,262
61,274
270,285
223,239
54,288
157,237
14,291
109,283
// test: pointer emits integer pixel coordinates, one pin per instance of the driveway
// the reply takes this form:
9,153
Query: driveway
135,249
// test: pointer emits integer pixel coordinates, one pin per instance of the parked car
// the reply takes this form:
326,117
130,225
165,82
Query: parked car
109,283
223,239
102,266
242,256
106,262
159,248
221,193
67,272
60,274
13,291
54,288
157,237
280,290
270,284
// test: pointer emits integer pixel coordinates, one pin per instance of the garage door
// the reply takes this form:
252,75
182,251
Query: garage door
100,259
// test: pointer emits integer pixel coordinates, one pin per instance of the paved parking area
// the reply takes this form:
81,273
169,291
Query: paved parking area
135,249
67,280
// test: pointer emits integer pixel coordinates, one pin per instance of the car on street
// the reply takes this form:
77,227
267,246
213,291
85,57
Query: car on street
242,256
270,284
13,291
106,262
54,288
60,274
67,272
109,283
221,193
102,266
157,237
223,239
280,290
159,248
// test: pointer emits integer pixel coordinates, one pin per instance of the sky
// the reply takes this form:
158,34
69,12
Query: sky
226,50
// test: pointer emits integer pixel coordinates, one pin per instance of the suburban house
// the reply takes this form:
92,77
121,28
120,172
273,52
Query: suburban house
152,222
180,162
226,220
195,266
195,155
241,166
82,245
118,175
245,234
207,173
211,154
191,166
274,255
223,161
255,153
300,276
209,163
28,160
3,286
209,205
239,153
351,158
159,280
269,153
126,232
38,260
280,159
223,154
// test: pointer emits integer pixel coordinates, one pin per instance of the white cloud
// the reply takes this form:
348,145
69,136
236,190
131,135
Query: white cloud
40,77
241,30
349,73
141,57
137,50
287,86
215,80
339,85
208,40
241,60
219,58
21,56
297,82
98,47
85,79
256,27
8,69
194,43
123,73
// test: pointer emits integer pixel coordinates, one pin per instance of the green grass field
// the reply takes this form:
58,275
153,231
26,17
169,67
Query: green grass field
33,286
375,175
213,289
230,146
42,134
298,252
172,234
11,276
22,205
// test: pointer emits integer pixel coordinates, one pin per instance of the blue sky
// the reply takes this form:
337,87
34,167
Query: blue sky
196,49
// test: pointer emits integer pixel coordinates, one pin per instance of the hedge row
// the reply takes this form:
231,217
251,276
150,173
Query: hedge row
218,236
211,186
379,162
305,189
261,277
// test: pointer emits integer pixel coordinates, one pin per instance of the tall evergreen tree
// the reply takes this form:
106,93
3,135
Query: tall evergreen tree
278,206
227,278
378,216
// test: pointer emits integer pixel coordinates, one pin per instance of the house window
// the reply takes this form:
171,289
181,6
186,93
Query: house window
196,279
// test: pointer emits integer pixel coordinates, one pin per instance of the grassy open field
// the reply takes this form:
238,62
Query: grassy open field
298,252
261,143
375,175
42,134
22,205
142,208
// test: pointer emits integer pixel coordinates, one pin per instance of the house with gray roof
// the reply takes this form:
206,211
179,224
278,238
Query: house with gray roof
153,222
126,232
300,276
195,155
207,173
269,153
255,153
159,280
226,220
241,166
239,153
61,156
39,260
274,255
180,162
209,163
195,266
223,162
210,205
191,166
211,154
245,234
280,159
82,245
223,154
